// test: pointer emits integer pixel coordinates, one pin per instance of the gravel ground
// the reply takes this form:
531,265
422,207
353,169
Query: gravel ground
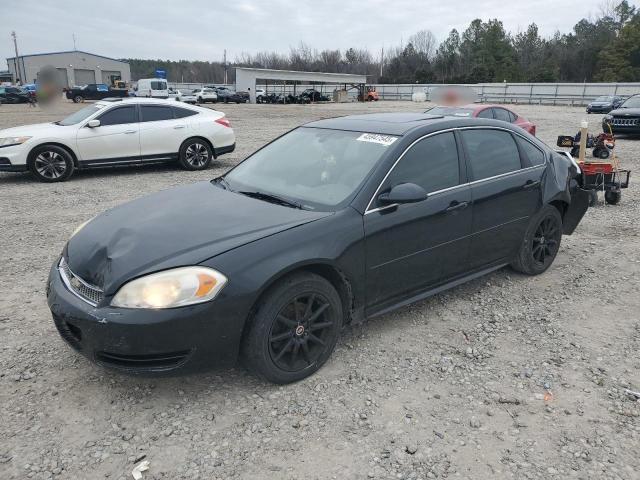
504,377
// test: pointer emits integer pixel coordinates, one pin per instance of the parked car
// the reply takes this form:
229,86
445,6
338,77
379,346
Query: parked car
204,95
174,94
625,119
31,89
94,91
187,97
605,104
336,221
310,95
225,95
117,132
260,95
152,88
497,112
14,95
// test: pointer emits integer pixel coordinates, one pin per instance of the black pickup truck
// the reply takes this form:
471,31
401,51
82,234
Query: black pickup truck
94,91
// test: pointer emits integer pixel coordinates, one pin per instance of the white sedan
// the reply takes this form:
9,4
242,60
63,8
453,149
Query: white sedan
204,95
119,131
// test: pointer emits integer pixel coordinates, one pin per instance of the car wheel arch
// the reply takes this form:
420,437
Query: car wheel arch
561,206
68,149
336,277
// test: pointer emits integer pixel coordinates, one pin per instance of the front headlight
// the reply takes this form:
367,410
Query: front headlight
8,141
172,288
607,118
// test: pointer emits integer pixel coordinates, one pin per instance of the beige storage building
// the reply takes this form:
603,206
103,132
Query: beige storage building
74,68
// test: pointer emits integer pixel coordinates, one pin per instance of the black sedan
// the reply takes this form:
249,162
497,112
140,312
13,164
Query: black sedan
229,96
625,119
604,104
335,222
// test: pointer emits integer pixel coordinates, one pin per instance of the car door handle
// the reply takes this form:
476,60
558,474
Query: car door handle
129,132
178,127
531,184
455,205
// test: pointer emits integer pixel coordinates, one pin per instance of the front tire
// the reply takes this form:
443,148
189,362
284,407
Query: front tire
541,242
294,329
78,99
195,154
50,163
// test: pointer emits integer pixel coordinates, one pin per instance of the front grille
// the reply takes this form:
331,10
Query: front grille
87,292
625,122
164,361
69,332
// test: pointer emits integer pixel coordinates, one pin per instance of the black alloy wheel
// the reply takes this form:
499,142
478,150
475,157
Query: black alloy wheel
541,242
294,329
546,241
299,334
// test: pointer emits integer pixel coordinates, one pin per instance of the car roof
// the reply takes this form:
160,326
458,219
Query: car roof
383,123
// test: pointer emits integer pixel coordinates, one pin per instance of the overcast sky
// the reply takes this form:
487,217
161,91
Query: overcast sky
201,30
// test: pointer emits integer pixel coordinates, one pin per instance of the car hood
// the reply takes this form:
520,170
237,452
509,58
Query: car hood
30,130
600,104
178,227
621,112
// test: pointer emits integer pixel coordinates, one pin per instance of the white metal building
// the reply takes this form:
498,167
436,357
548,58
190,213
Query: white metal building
74,67
246,78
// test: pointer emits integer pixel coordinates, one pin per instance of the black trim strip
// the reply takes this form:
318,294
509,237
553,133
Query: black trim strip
223,150
102,162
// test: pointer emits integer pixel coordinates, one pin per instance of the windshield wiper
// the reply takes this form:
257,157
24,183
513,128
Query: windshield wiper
270,197
224,183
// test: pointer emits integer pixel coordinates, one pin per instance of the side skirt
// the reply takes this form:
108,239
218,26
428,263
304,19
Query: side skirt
436,290
123,161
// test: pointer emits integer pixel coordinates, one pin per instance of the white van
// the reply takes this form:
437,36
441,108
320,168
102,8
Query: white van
152,87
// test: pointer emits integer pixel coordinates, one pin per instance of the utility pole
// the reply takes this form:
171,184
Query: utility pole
73,35
15,60
225,67
381,61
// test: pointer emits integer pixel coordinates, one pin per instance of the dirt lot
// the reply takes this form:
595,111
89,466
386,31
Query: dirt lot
504,377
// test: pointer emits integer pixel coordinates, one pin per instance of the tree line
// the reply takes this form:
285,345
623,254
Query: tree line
605,48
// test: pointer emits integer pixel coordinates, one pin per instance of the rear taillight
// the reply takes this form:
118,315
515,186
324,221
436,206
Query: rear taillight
224,122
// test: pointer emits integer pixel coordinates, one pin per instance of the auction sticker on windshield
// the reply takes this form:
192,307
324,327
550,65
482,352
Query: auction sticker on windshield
385,140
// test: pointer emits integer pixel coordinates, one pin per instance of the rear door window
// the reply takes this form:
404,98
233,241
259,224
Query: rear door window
158,86
486,113
431,163
119,116
155,113
183,112
502,114
491,152
532,154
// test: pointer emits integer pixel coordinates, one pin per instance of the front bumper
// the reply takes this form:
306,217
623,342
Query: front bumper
631,129
13,158
141,341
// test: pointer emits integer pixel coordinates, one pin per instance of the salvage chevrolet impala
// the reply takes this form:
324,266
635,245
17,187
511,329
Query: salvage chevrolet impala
336,221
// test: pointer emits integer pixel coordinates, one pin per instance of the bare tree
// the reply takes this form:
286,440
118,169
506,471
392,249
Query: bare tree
425,43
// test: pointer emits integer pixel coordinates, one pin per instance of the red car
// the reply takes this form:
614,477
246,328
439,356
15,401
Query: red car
496,112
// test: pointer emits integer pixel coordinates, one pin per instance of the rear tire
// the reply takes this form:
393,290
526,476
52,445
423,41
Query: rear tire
612,198
602,153
195,154
50,163
293,330
541,242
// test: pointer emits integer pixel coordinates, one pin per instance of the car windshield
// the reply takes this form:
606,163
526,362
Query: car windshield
315,167
603,99
80,115
451,111
632,102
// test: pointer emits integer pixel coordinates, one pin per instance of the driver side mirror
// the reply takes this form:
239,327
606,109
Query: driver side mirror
93,123
403,193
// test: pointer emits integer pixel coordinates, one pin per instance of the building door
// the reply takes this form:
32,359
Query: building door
84,77
62,78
